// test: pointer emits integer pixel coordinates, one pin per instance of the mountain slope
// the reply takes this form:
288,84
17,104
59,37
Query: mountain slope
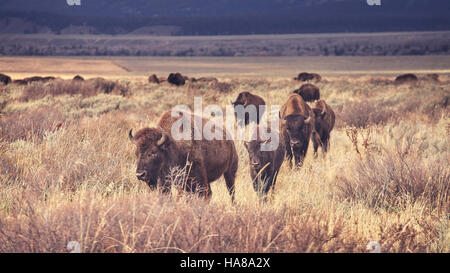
203,17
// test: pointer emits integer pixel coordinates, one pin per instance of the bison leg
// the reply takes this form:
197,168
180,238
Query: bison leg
326,143
198,181
317,141
230,177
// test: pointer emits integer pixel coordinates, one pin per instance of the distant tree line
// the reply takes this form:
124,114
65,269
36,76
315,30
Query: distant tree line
376,45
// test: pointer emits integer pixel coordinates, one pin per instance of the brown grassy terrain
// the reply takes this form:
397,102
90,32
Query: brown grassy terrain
68,172
223,67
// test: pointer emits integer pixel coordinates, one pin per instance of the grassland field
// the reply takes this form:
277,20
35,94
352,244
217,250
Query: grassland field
67,167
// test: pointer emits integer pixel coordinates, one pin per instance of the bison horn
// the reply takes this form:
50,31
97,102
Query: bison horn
308,120
162,139
130,135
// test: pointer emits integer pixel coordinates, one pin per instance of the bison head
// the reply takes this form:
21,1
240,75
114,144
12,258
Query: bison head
242,99
298,128
152,154
258,159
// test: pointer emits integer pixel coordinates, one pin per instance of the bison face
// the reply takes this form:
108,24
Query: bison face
259,160
298,129
151,153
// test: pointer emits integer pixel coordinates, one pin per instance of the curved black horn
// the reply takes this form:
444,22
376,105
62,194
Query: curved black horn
130,135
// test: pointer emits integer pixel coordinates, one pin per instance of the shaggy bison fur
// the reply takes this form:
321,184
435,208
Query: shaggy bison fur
297,122
204,161
264,165
248,99
324,123
308,92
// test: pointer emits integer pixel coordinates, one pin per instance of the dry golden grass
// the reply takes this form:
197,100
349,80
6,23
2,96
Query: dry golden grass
385,178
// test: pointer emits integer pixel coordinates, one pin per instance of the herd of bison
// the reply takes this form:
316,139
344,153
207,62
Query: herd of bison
304,117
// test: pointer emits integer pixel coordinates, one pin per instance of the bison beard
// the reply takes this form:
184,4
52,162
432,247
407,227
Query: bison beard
203,161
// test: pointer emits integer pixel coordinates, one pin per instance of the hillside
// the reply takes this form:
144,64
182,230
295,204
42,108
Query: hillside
226,17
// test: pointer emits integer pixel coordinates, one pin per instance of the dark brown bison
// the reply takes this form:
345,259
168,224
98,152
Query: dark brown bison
176,79
20,82
305,76
204,161
308,92
245,99
265,163
406,78
324,119
78,78
297,121
153,79
39,79
5,79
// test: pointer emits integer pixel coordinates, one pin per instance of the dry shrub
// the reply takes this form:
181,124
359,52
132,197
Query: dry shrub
86,88
223,87
8,171
361,114
30,125
392,179
153,223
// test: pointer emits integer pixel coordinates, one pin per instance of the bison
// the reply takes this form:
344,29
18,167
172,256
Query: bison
20,82
245,99
153,79
176,79
204,161
305,76
308,92
297,120
5,79
324,119
78,78
39,79
406,78
264,165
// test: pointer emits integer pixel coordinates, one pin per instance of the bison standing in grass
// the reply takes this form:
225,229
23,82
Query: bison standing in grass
248,99
5,79
78,78
324,123
153,79
204,161
265,164
305,76
176,79
308,92
297,121
406,78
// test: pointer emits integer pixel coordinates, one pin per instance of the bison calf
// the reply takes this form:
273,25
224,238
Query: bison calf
308,92
204,161
265,165
323,124
248,99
